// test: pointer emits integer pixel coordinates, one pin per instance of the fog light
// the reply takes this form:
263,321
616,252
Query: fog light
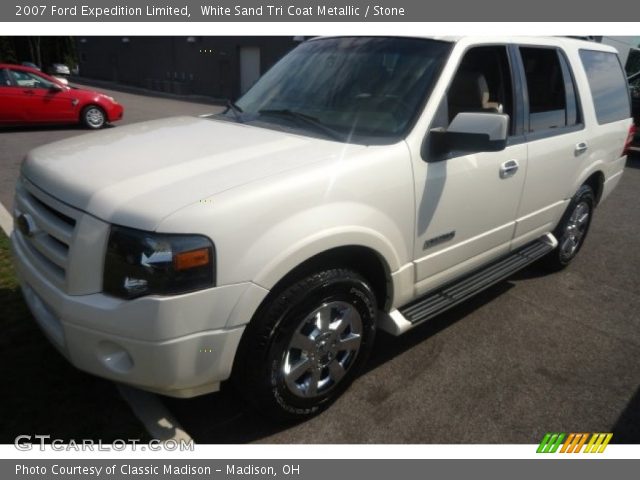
114,357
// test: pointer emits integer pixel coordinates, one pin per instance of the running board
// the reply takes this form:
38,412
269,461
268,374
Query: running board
437,301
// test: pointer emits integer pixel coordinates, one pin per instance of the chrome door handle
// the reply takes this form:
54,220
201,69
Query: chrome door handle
581,148
509,168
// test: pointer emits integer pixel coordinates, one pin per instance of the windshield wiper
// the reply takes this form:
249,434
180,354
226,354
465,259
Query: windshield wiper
308,119
237,111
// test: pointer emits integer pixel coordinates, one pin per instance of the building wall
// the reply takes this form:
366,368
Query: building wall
183,65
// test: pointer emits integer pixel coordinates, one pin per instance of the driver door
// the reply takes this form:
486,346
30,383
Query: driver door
466,203
41,101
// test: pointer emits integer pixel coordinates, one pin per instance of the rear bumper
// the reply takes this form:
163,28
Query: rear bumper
178,346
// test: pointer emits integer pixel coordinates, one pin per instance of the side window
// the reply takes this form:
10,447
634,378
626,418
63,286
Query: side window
29,80
481,84
4,78
551,90
608,85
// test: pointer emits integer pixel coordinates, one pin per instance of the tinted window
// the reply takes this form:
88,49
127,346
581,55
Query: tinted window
574,114
608,85
551,94
4,79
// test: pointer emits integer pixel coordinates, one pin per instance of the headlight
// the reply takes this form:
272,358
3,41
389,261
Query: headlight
141,263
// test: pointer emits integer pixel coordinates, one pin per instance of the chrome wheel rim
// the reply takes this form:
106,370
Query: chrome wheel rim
322,349
575,230
94,117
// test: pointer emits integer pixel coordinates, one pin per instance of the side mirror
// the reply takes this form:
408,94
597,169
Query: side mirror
55,88
473,132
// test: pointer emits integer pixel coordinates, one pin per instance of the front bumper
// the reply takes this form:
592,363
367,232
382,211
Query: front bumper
181,346
115,112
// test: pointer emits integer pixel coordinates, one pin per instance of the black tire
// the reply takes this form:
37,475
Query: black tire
570,236
268,346
93,117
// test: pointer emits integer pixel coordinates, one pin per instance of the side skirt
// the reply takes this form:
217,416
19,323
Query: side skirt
441,299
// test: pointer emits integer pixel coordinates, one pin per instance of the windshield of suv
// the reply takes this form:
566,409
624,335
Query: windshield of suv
354,89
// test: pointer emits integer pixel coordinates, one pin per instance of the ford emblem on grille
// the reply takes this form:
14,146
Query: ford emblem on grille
26,225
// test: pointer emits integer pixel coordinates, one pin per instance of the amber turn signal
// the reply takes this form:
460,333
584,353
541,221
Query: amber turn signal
191,259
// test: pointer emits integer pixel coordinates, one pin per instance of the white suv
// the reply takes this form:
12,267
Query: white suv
362,183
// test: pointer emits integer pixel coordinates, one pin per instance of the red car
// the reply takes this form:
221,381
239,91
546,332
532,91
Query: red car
28,96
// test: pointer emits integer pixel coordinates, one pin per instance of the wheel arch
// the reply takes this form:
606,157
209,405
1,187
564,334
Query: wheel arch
596,182
362,259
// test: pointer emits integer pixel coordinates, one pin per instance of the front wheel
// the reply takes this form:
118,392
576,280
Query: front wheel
572,230
93,117
307,345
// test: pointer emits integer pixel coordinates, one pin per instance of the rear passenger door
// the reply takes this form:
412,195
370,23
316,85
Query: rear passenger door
556,137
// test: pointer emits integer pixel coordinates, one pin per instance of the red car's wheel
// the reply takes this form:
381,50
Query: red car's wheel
93,117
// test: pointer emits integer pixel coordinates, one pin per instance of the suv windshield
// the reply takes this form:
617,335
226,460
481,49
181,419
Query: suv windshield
353,89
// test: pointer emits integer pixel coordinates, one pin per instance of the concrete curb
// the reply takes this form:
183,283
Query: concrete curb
156,419
6,220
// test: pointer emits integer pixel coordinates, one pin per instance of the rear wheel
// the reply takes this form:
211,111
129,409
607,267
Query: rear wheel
572,230
93,117
307,345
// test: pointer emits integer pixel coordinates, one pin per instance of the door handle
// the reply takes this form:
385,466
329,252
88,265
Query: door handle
581,148
28,92
509,168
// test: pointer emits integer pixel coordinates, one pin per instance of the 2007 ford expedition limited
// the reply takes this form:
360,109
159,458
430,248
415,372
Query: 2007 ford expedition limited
361,183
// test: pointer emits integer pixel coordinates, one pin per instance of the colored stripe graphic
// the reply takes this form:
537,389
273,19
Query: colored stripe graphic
574,442
581,443
598,442
570,442
550,443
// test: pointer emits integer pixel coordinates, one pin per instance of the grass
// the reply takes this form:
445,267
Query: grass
42,393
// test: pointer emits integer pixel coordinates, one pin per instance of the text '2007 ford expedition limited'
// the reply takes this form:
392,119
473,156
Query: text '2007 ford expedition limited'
361,183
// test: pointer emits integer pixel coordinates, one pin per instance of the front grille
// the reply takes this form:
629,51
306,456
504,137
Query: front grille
49,243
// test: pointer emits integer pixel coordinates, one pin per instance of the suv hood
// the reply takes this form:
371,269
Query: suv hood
139,174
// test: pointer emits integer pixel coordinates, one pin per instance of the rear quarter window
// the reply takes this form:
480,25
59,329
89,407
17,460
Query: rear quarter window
608,85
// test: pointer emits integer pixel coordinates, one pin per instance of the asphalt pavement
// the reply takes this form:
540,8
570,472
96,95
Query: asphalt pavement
537,353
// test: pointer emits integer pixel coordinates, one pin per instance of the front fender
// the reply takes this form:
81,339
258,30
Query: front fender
300,237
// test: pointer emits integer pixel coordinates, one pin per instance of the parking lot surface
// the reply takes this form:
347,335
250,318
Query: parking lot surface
533,354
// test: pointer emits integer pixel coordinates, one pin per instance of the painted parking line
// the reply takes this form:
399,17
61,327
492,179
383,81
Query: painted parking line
157,420
6,220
